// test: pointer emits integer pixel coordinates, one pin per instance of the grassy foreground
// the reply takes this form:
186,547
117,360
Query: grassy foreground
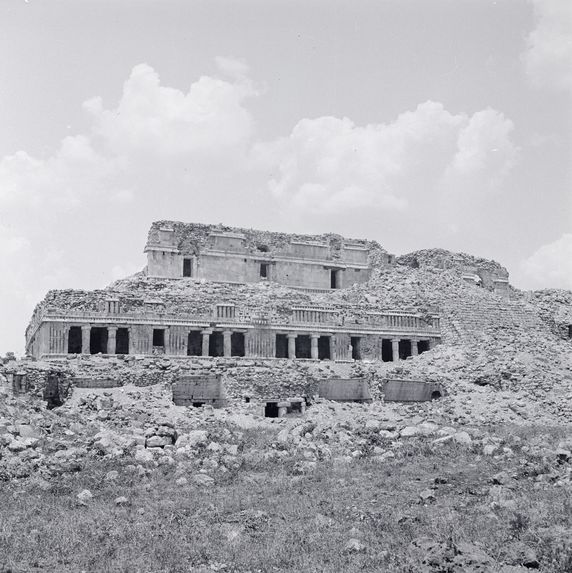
263,518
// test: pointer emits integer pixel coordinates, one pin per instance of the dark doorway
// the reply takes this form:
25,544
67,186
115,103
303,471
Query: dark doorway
422,346
570,331
356,347
158,337
98,340
334,279
198,404
435,395
122,341
324,348
271,410
264,270
52,391
404,349
195,343
303,346
281,346
74,340
237,344
216,344
386,350
187,267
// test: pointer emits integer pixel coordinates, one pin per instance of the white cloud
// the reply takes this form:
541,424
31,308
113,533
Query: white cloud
331,165
548,55
550,266
485,152
164,122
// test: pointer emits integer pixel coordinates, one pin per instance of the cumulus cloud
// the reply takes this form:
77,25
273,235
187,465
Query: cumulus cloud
548,55
485,151
550,266
166,122
331,165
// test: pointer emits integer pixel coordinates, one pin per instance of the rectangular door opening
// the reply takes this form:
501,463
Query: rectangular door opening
195,343
237,344
98,340
303,346
122,341
216,344
324,348
281,346
334,279
386,350
74,340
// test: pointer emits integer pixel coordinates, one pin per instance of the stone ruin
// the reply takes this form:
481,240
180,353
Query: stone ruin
211,313
270,314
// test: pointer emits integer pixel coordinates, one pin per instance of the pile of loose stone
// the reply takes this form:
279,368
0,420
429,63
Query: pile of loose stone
144,429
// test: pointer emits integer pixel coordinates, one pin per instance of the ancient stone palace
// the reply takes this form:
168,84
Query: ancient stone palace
214,291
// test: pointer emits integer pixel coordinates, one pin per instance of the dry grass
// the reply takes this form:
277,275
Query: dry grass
263,518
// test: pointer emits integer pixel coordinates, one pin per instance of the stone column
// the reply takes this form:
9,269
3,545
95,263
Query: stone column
85,336
227,343
132,347
333,347
66,339
395,349
432,343
206,338
314,346
111,339
291,346
167,340
414,347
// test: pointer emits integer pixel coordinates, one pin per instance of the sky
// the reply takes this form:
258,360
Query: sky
419,124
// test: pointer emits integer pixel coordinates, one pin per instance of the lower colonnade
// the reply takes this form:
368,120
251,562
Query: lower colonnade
227,342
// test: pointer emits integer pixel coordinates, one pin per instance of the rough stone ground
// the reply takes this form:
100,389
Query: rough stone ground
404,475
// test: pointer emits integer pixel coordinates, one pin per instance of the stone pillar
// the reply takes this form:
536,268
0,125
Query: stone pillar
167,340
291,346
85,336
314,346
414,347
132,347
66,339
432,343
206,338
227,343
395,349
111,339
333,347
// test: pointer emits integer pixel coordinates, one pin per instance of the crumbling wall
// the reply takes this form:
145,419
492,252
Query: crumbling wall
554,307
486,270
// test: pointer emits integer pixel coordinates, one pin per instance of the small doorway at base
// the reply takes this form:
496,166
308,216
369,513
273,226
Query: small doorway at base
271,410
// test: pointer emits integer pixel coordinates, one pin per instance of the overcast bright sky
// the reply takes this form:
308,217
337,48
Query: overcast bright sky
419,124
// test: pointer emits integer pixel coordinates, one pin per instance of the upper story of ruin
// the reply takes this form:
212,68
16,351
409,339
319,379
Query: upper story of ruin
226,254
